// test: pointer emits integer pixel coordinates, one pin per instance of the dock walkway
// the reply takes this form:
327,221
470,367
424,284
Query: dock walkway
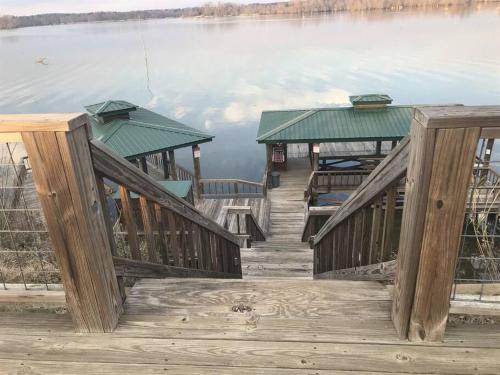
283,254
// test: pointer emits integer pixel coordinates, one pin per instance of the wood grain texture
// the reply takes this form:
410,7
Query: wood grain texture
68,191
44,122
412,226
458,116
448,186
294,326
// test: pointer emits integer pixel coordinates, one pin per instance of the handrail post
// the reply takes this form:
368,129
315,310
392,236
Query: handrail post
443,146
70,197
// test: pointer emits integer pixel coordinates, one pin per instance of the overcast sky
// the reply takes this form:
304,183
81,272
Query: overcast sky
27,7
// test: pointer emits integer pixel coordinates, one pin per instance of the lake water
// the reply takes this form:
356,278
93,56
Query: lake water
218,75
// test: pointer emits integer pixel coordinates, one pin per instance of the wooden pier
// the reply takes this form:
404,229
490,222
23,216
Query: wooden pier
202,304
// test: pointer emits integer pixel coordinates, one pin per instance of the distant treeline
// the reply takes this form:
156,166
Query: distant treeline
297,7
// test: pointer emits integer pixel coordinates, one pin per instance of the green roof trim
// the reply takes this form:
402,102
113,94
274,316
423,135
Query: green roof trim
143,133
343,124
179,188
370,99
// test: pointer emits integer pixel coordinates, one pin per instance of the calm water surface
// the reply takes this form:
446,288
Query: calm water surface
218,75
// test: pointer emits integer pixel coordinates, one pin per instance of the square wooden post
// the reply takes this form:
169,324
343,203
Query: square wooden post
443,146
70,197
315,156
164,160
269,165
197,172
144,164
173,169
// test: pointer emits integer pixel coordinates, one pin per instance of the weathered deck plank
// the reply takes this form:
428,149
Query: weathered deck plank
187,326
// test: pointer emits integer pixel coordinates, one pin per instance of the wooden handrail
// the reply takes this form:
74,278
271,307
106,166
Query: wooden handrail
224,188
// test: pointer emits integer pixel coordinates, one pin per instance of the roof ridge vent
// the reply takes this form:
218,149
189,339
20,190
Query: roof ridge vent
111,109
370,101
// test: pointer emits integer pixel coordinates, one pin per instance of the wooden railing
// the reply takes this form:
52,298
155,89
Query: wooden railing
175,232
247,229
183,174
69,170
437,160
361,231
326,181
231,188
315,218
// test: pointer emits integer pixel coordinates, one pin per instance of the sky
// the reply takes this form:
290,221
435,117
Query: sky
28,7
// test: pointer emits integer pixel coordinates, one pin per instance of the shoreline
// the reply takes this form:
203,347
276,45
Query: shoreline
292,15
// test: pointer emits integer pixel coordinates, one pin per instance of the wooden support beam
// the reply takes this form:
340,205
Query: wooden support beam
164,159
451,173
378,148
173,168
315,157
130,223
70,197
198,189
443,145
412,225
144,164
269,165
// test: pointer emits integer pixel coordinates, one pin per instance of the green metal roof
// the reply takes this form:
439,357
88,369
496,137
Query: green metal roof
370,99
179,188
110,107
334,125
144,133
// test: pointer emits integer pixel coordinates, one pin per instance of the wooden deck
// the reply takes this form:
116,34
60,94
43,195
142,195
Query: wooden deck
283,254
286,326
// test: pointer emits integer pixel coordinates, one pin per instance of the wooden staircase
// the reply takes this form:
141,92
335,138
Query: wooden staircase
283,254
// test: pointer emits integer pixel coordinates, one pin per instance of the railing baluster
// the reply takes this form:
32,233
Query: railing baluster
130,223
172,227
375,233
390,211
147,222
162,237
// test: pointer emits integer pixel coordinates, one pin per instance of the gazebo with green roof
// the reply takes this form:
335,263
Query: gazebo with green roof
135,132
369,119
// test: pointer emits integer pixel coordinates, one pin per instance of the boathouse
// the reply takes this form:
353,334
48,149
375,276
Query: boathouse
145,137
364,132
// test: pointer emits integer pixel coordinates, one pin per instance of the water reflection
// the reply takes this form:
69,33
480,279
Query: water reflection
218,75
